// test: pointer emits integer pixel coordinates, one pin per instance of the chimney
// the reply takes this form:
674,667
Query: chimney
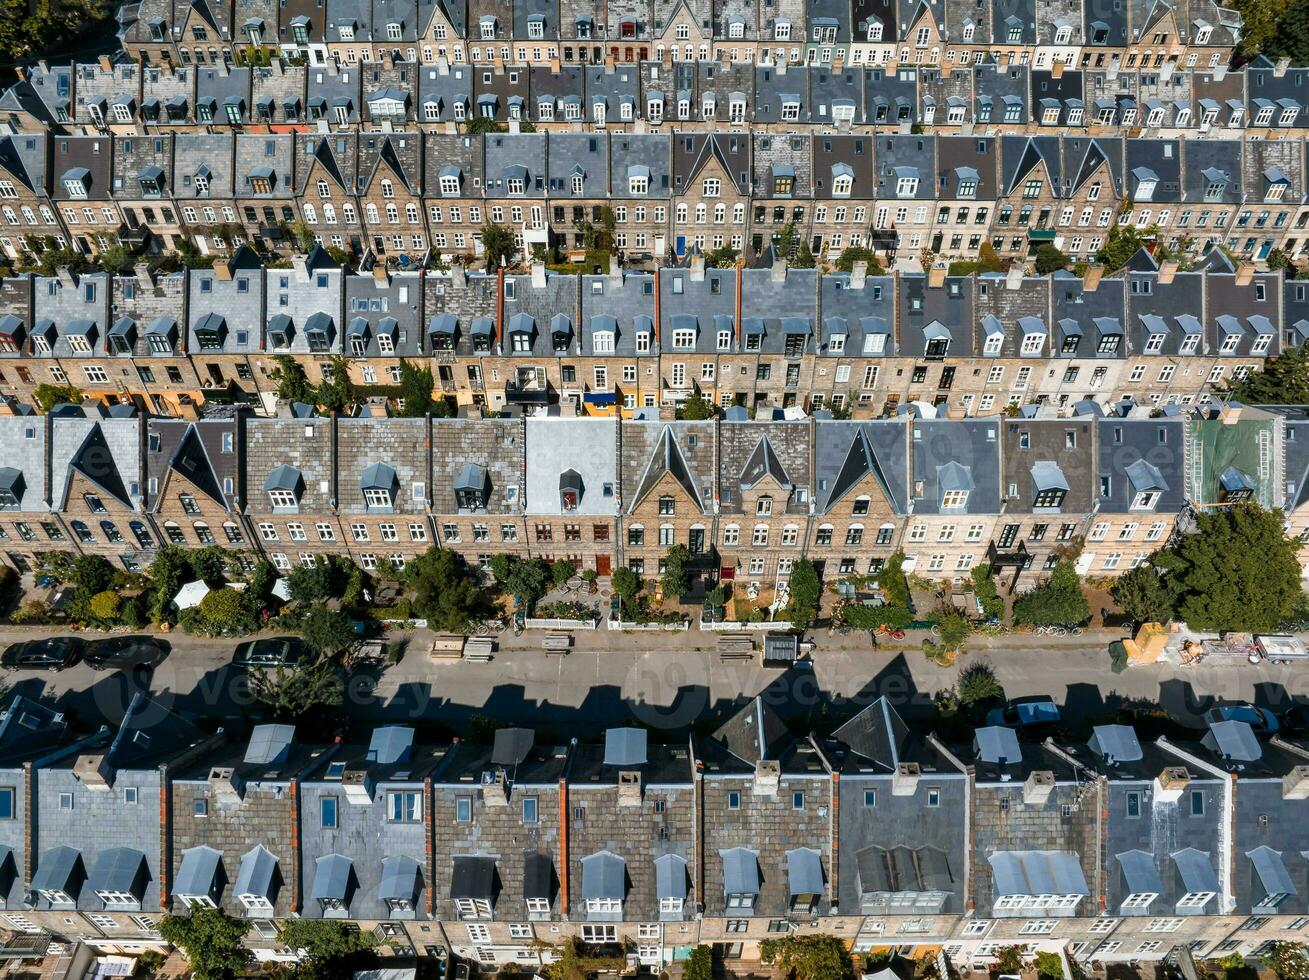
538,275
357,789
144,276
1167,271
380,275
21,72
615,270
1244,273
1037,787
1280,66
66,277
1057,70
777,273
1170,783
94,772
1091,278
629,788
223,270
905,780
106,63
1229,414
859,275
300,263
495,788
458,275
697,267
554,66
475,412
1014,277
936,277
1295,784
227,787
767,777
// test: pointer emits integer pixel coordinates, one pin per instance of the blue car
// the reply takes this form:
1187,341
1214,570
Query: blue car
1260,719
1022,714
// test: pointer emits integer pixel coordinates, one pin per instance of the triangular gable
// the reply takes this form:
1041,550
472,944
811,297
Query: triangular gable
1092,160
860,462
763,462
667,460
191,462
924,9
95,461
13,163
755,732
1142,261
325,158
1031,159
1159,12
387,155
201,9
711,150
1217,261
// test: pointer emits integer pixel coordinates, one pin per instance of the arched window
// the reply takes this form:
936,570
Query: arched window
174,533
854,534
143,536
202,533
111,532
82,531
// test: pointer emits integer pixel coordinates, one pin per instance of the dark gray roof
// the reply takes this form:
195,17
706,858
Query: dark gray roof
512,746
473,877
119,869
58,870
804,871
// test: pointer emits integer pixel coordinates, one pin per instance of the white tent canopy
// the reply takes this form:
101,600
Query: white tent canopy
190,594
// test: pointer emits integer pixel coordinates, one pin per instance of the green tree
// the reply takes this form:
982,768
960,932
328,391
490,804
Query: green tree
1010,959
92,574
292,383
211,940
859,253
497,244
986,592
809,957
528,578
573,961
561,571
804,257
1259,24
480,125
977,684
860,617
953,627
696,408
312,583
105,606
223,607
328,631
627,586
289,694
446,592
988,260
1291,39
806,592
416,384
1283,380
1124,242
337,393
1143,595
700,964
1049,259
47,396
1049,965
324,939
1278,260
1058,602
1237,572
116,260
1287,959
675,580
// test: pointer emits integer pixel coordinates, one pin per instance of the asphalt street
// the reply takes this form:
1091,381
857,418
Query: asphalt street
674,681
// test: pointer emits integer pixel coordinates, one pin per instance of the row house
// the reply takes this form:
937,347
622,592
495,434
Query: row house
823,32
1116,849
404,195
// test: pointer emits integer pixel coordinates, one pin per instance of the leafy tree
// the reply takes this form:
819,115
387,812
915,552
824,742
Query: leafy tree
497,244
809,957
292,383
1143,595
986,592
324,939
977,684
988,260
1259,27
211,941
861,617
561,571
1278,260
1283,380
446,593
291,693
337,393
1287,959
170,569
675,580
105,606
723,257
1009,959
1049,965
1291,39
696,408
573,961
479,125
891,580
700,964
1124,242
1058,602
92,574
859,253
804,257
328,631
416,384
47,396
1049,259
223,607
627,586
116,260
312,583
953,627
525,577
806,592
1237,572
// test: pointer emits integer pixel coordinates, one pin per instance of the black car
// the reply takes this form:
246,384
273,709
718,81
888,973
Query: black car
1296,719
55,653
125,653
275,651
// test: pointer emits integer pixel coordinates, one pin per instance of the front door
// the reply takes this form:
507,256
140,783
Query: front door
602,565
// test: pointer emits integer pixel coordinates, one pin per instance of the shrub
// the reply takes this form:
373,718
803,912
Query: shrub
106,606
977,684
223,607
32,611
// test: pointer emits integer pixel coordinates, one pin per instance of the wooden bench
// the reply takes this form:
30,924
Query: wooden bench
447,646
479,650
733,648
557,644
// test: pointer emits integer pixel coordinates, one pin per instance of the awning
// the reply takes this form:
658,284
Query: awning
599,397
1040,234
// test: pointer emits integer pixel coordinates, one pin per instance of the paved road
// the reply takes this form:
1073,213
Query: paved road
674,681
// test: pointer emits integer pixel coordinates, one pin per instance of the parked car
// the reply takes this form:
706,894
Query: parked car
273,651
126,653
53,653
1295,719
1263,721
1025,713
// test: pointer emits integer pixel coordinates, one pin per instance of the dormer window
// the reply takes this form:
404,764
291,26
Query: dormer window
906,186
874,30
284,487
300,31
379,486
347,32
638,183
1203,34
515,185
570,490
487,28
782,30
842,185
